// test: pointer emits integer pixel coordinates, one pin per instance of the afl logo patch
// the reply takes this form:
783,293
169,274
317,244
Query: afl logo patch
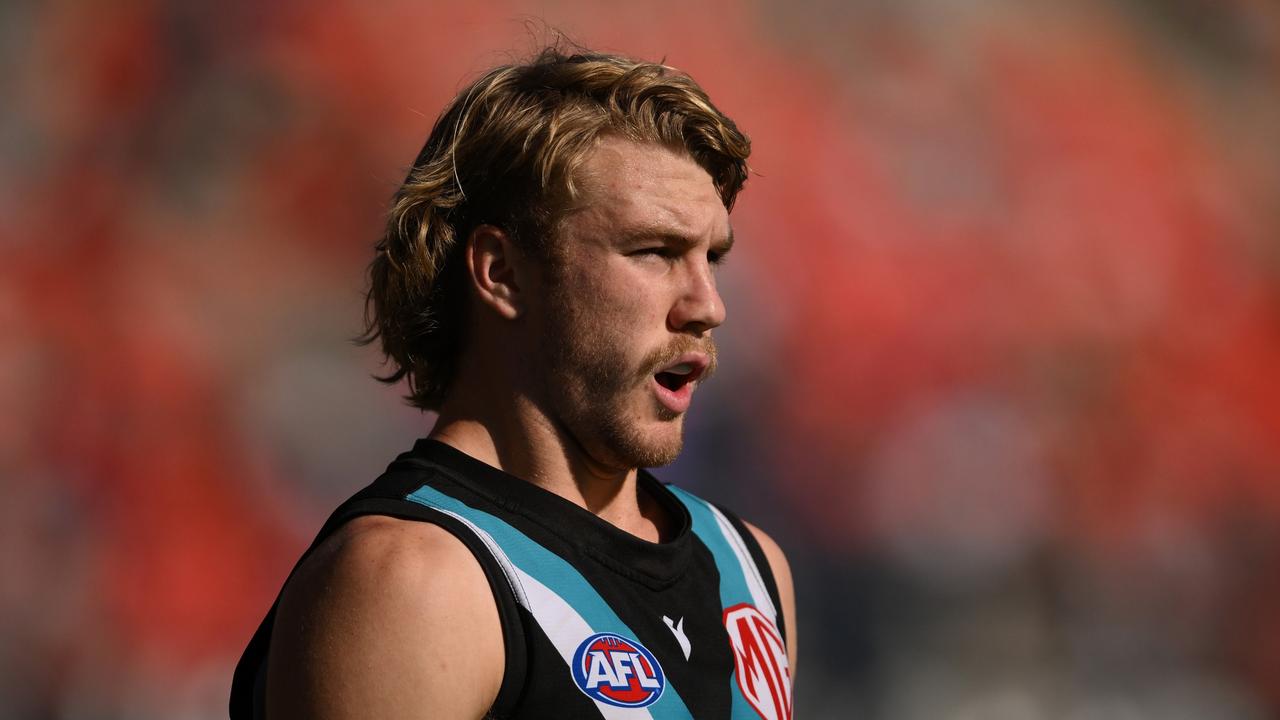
618,671
760,661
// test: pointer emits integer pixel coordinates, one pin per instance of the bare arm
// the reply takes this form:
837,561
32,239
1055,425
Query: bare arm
388,619
786,592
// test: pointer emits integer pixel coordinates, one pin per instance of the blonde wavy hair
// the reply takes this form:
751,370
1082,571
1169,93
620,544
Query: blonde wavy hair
505,153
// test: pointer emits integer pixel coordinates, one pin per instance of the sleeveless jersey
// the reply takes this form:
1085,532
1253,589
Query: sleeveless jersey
596,622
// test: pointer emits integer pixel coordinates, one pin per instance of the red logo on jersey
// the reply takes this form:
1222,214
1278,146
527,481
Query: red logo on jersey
760,659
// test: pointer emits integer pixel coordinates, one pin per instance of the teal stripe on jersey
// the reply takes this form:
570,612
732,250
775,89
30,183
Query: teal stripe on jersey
733,581
559,576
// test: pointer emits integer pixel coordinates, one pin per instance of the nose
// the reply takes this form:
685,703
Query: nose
698,307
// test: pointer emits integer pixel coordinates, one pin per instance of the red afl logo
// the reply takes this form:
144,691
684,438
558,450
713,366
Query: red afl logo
760,660
617,671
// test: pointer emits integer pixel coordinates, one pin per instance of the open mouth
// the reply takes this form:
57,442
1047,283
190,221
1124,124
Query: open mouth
677,377
674,384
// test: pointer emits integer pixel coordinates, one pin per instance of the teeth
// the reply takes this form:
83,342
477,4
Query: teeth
681,369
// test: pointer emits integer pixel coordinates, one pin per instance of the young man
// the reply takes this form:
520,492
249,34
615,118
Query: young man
547,284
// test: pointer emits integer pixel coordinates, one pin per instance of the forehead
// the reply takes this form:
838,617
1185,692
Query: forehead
627,184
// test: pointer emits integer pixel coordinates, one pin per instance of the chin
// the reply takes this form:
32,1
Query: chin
644,446
659,455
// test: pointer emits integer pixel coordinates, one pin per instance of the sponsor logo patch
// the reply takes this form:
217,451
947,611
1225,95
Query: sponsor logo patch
760,661
677,629
618,671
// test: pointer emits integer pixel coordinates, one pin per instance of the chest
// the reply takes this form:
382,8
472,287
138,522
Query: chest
641,651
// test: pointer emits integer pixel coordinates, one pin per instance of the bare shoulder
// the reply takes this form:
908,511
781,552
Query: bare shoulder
387,618
786,589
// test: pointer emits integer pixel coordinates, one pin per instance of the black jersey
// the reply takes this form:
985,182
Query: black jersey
596,622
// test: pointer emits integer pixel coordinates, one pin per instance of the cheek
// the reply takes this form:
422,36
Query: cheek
637,293
632,315
623,298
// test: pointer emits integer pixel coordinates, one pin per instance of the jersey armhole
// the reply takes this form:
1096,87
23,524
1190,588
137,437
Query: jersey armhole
246,703
762,563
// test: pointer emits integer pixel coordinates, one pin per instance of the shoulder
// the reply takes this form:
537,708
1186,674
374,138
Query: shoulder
387,618
378,547
777,558
781,570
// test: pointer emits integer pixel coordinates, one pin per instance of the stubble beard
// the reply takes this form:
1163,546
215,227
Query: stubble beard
588,382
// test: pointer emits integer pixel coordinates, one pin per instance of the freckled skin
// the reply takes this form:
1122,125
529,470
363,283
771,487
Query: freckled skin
612,317
557,388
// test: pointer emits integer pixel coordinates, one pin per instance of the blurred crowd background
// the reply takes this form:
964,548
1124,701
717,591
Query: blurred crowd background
1001,370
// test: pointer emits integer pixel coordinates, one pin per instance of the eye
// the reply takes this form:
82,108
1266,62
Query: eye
717,258
660,251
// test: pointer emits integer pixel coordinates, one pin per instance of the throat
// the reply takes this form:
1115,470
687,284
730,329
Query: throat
630,507
647,519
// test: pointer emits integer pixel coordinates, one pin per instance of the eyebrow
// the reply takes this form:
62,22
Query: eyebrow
671,237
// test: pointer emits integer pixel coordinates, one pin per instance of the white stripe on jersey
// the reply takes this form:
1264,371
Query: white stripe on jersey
566,629
755,583
562,624
508,568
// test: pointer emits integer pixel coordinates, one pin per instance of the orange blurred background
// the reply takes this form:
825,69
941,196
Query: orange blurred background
1000,368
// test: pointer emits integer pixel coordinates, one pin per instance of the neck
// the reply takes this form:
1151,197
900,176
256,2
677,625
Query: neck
519,439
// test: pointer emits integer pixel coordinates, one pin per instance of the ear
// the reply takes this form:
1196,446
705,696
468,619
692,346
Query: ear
495,268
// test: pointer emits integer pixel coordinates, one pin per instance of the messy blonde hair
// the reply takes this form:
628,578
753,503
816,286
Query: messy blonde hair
505,153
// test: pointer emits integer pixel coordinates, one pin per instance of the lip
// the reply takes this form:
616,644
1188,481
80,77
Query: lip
678,401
